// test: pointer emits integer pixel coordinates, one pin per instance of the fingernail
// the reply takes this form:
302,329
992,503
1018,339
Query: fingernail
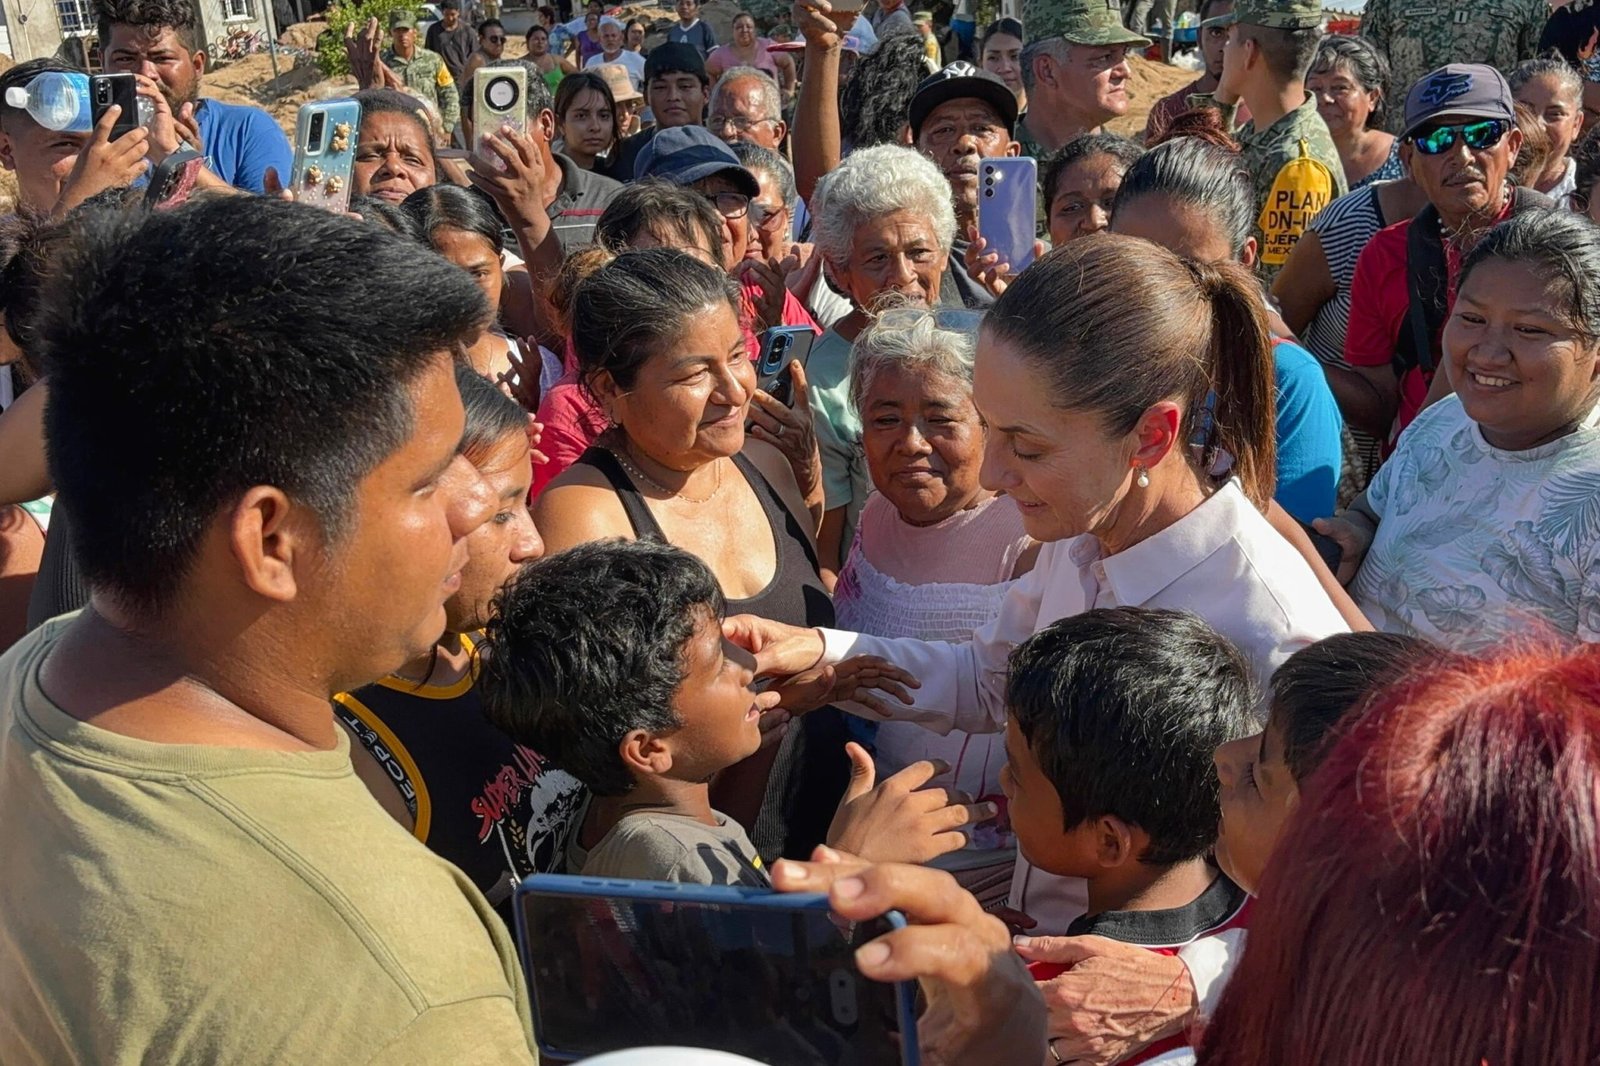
1022,941
989,809
849,887
792,871
874,954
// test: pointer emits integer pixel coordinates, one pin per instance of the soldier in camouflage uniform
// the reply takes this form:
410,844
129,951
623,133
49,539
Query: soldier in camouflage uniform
1292,158
422,71
1422,35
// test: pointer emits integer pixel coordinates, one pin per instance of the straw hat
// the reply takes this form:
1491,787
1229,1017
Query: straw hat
616,76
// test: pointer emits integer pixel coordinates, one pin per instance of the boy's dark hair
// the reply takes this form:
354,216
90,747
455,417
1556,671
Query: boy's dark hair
1123,707
1328,682
151,16
21,74
587,645
29,241
1288,53
675,58
483,27
231,342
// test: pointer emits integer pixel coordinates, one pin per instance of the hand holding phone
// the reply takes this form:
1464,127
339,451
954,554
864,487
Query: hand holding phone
747,971
121,90
982,1004
1007,195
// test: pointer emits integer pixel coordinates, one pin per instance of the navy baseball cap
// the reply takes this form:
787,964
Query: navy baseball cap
1459,90
962,81
684,155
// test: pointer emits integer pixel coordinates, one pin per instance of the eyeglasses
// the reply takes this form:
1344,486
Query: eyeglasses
720,124
1485,133
730,204
494,40
766,218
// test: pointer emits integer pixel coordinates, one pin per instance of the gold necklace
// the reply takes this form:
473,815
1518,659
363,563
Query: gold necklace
634,471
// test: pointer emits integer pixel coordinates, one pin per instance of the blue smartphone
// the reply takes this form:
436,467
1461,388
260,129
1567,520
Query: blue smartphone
780,346
325,153
1008,190
617,964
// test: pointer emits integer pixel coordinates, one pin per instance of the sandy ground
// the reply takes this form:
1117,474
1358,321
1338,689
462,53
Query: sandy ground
250,81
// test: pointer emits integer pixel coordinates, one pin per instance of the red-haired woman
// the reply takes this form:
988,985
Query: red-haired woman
1436,898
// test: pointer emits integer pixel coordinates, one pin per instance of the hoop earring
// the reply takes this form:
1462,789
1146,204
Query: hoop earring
1143,480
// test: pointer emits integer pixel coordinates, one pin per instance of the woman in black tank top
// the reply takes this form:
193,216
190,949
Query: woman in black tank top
658,342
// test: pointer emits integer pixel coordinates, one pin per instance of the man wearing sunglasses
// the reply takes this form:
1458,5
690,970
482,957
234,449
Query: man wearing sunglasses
491,47
1458,143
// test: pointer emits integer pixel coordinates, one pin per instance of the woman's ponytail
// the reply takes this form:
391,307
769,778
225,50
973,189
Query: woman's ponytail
1241,361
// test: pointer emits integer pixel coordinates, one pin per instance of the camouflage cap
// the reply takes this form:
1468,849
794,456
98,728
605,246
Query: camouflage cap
1277,14
403,20
1096,22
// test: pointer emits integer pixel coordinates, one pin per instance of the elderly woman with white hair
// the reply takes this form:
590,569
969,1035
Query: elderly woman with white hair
883,225
934,551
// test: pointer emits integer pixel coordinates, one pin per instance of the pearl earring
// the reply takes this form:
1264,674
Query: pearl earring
1143,480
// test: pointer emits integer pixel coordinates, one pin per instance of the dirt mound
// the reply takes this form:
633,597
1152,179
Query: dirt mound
1150,82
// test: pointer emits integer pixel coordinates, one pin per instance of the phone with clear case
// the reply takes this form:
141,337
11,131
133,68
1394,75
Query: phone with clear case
500,99
325,153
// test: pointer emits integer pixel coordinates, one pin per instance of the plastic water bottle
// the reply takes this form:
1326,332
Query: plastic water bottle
56,100
59,100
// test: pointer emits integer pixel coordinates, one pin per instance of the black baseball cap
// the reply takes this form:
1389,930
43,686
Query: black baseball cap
674,58
961,81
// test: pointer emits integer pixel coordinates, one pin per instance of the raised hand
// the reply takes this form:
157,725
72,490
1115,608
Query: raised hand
902,819
103,163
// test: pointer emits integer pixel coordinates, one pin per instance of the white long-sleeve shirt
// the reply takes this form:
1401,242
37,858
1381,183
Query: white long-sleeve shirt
1223,561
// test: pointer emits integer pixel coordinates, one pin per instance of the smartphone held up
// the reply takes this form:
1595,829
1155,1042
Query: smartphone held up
325,153
500,101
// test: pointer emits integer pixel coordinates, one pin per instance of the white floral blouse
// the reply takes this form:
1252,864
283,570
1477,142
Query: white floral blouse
1475,544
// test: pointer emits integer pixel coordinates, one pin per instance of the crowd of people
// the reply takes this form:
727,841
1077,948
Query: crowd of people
1188,632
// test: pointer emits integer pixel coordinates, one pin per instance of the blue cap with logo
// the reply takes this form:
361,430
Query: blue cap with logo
1459,90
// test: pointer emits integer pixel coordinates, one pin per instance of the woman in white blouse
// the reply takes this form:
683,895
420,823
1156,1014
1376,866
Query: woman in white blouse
1485,522
1092,375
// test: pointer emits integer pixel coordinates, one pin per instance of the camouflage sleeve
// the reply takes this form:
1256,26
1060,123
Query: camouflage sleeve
1538,13
1375,25
450,98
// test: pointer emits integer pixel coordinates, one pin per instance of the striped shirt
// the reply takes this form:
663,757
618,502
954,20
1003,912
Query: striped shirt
1344,228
